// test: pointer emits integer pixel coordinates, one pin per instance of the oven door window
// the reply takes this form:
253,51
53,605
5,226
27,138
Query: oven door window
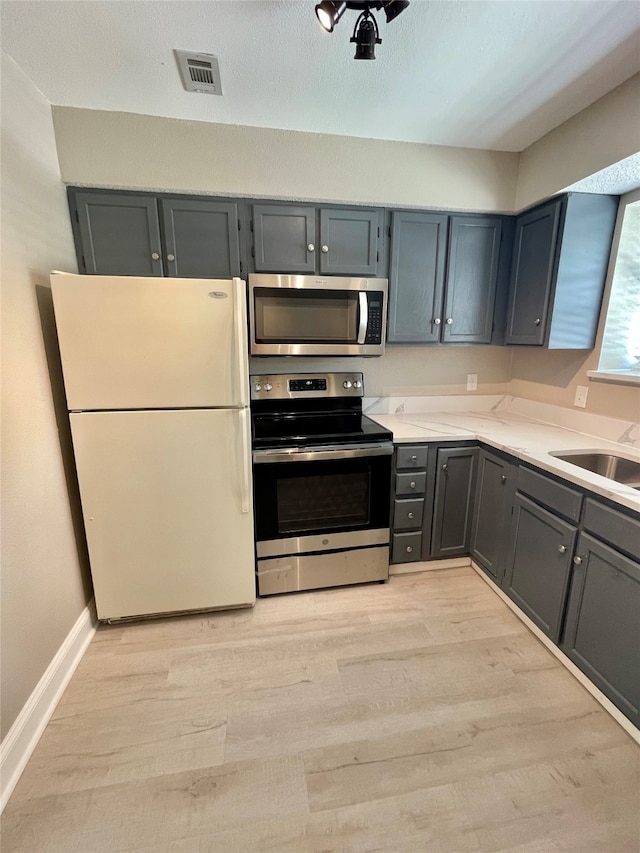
303,498
289,316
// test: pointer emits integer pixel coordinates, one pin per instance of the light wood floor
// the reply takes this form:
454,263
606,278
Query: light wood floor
416,716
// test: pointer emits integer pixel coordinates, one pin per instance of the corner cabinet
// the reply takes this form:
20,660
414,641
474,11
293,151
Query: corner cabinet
560,259
443,277
306,239
129,234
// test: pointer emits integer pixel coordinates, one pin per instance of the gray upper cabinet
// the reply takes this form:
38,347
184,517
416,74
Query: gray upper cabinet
348,240
560,258
201,238
416,277
443,277
537,571
472,274
492,513
284,238
602,632
116,233
127,234
453,501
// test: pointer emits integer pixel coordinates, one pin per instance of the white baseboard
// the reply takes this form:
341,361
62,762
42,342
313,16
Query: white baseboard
429,565
578,674
23,736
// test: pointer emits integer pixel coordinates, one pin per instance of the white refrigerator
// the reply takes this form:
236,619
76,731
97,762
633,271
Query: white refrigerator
156,379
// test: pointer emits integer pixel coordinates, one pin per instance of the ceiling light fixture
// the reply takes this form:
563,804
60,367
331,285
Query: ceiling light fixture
365,33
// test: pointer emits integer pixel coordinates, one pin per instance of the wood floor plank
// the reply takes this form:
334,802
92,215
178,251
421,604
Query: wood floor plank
419,716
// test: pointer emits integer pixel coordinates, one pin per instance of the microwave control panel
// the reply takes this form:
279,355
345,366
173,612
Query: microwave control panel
374,322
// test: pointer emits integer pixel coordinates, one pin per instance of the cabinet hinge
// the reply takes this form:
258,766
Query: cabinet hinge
389,231
84,264
239,226
251,225
77,217
240,267
377,257
378,232
253,253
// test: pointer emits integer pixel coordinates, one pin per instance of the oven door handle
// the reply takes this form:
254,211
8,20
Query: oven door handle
338,451
363,303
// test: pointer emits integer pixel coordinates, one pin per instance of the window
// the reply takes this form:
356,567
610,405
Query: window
620,351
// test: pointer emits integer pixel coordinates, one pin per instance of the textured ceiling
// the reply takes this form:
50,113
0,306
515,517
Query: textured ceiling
495,75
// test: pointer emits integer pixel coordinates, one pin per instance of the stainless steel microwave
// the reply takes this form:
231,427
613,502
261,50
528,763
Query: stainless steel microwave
312,315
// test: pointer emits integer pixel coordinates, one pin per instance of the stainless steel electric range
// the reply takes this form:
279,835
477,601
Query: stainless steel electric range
321,482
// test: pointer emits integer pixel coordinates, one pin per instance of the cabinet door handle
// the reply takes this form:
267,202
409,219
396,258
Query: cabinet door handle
503,478
577,560
437,321
537,321
409,549
449,321
412,484
324,249
311,248
411,515
445,467
155,256
562,549
171,257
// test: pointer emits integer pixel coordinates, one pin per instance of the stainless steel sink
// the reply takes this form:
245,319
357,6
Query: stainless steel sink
626,471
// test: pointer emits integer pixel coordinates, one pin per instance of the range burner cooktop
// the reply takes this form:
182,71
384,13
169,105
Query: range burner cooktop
304,410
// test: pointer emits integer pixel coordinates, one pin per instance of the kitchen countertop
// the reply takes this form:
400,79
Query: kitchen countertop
520,436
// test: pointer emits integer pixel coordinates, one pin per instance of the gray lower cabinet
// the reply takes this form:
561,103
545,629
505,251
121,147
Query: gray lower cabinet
116,233
453,501
560,258
306,239
539,563
602,631
128,234
492,513
411,506
443,277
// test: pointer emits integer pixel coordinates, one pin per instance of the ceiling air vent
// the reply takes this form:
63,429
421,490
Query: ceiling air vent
200,72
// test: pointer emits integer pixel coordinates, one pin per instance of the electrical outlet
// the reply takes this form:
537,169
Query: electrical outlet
581,396
472,381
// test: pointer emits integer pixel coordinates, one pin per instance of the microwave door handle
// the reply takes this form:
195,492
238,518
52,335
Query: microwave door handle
363,303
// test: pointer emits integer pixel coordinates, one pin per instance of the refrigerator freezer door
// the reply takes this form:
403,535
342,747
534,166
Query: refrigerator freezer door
164,503
151,343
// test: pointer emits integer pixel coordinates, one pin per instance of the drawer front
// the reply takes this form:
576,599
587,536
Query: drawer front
411,457
410,484
406,547
614,527
407,514
561,499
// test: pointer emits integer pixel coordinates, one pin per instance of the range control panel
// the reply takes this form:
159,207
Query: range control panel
283,386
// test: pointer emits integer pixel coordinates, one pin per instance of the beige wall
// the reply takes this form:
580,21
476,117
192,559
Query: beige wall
411,371
604,133
135,151
44,588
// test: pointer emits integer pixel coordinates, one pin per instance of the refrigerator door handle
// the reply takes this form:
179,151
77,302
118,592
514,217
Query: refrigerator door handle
240,314
245,461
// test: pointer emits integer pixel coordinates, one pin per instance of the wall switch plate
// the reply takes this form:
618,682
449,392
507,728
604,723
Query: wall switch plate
472,381
581,396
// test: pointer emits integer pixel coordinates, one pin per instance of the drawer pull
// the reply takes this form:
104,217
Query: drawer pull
409,549
414,458
411,515
412,484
